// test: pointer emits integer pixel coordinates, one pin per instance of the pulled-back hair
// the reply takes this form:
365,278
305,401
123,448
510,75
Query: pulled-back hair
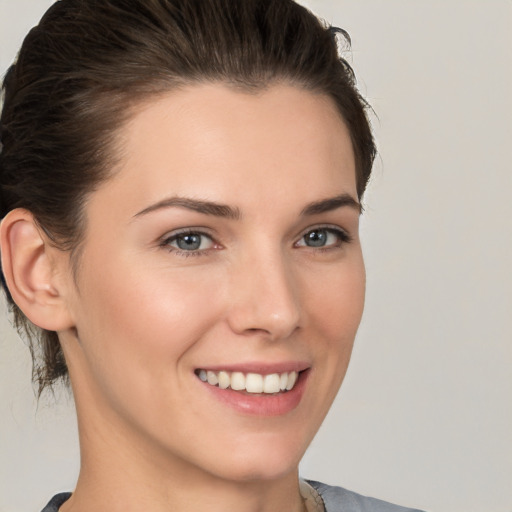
88,62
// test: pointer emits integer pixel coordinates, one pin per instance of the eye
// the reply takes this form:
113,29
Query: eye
324,238
189,242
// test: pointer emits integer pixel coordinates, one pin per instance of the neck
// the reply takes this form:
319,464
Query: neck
117,487
118,474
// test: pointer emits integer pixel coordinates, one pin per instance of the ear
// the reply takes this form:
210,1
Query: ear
34,271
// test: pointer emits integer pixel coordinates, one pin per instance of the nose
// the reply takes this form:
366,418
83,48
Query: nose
264,298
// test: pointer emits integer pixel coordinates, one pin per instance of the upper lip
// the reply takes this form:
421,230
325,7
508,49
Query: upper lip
259,367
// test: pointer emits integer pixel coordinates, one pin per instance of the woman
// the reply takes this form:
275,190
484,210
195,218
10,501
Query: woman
181,191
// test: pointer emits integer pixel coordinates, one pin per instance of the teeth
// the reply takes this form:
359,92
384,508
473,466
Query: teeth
237,381
254,383
271,383
283,381
212,378
251,382
292,379
224,380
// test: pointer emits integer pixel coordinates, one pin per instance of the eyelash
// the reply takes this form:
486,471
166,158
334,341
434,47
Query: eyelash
342,236
166,243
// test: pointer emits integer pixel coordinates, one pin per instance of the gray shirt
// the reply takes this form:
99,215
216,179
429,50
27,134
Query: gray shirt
336,499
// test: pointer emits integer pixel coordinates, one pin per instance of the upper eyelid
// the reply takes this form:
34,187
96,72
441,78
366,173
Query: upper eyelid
203,231
166,242
343,235
170,236
184,231
328,227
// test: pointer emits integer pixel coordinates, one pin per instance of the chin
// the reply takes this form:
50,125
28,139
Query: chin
262,460
252,471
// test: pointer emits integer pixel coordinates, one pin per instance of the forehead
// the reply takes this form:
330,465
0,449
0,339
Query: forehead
214,142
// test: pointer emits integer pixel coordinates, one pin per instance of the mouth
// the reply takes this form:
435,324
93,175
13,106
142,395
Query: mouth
250,383
257,388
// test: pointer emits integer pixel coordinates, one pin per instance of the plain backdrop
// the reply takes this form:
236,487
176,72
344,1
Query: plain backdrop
424,417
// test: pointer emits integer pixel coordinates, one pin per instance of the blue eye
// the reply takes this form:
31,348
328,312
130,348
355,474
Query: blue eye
323,237
189,242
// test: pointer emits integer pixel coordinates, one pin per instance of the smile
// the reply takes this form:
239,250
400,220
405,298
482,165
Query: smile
250,382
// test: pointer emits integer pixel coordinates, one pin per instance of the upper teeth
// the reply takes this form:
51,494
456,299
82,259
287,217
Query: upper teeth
250,382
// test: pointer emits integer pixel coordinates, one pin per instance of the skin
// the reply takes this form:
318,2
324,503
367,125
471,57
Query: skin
143,315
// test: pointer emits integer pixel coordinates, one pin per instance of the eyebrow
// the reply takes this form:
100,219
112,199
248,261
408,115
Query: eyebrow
233,213
206,207
332,203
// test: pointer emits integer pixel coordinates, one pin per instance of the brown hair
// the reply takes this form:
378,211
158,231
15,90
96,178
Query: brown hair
79,71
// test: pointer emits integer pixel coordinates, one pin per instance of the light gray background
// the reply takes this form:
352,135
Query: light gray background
425,414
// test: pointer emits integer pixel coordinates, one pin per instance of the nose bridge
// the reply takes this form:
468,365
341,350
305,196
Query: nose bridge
265,295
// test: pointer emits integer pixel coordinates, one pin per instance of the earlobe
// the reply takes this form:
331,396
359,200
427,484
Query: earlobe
30,272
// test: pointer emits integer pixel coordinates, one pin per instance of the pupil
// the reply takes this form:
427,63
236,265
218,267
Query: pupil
189,242
316,238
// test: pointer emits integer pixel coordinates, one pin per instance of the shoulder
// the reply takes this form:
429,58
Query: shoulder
334,498
338,499
55,503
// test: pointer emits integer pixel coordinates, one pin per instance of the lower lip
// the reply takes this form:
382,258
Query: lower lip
262,404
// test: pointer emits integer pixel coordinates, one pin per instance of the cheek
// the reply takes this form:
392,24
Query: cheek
335,311
335,302
136,326
333,305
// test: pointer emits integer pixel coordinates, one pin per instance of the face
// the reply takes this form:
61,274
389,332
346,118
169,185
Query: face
220,265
